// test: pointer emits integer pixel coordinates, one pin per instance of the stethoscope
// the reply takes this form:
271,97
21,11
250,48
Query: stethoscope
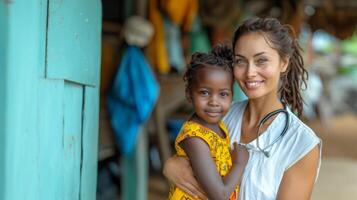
261,123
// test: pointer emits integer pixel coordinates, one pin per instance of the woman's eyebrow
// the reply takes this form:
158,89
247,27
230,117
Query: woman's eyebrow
255,55
258,54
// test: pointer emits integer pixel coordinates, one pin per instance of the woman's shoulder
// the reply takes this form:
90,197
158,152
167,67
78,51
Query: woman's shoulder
239,104
301,139
301,130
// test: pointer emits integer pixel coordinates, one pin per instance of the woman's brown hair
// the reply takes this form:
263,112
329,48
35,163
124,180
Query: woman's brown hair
281,37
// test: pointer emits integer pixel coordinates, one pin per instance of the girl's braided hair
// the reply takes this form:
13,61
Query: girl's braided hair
220,56
281,38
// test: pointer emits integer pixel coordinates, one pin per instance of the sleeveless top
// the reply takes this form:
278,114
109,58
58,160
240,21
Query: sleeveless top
219,149
262,175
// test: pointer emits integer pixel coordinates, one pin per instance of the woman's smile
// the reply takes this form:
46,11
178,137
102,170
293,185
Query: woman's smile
251,85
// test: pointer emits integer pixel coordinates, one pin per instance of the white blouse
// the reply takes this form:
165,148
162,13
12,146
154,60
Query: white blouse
262,175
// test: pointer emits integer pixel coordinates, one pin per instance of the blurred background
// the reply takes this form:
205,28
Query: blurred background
166,33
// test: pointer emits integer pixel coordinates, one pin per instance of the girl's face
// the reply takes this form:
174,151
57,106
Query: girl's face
257,66
211,93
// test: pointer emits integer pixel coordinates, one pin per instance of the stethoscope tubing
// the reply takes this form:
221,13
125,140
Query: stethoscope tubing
262,121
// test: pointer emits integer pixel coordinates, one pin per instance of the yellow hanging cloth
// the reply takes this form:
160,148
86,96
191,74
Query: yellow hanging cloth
157,51
181,12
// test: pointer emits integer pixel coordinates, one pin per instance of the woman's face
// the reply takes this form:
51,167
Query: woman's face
257,66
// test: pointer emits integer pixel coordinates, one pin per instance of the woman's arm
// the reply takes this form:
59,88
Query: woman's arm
204,168
178,171
298,180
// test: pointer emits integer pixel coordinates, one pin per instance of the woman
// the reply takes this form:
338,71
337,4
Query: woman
269,69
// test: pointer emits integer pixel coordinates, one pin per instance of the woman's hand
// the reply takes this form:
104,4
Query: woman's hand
178,170
240,155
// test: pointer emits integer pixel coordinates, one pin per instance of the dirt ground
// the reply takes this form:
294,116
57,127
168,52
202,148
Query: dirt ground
338,174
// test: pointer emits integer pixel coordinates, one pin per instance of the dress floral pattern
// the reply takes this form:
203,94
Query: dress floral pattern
219,148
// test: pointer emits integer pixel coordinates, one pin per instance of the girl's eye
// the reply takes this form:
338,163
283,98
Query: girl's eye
203,93
224,94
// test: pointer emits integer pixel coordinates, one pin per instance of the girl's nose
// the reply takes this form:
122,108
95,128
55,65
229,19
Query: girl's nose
213,101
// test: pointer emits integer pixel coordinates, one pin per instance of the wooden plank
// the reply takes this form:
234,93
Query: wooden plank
40,119
51,129
23,26
74,36
72,139
3,58
135,170
90,143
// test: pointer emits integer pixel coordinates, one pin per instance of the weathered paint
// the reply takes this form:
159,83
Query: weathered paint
3,60
90,155
49,124
72,139
70,33
134,179
21,180
51,129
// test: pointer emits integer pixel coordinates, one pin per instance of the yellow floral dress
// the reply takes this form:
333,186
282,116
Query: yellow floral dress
219,148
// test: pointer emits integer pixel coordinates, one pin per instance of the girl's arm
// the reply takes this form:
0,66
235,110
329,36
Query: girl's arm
204,168
298,180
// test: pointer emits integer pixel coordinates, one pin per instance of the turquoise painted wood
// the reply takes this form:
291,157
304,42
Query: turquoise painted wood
51,133
48,116
89,156
134,180
3,56
72,139
70,32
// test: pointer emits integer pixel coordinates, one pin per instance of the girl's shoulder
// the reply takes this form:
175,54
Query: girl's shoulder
193,129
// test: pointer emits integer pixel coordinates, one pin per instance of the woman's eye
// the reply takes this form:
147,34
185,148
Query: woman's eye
261,61
239,62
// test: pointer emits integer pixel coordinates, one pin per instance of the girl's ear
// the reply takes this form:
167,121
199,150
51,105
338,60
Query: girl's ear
284,64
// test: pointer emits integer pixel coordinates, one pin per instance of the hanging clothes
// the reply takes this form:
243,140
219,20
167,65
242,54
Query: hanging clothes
173,43
157,51
199,40
181,12
132,98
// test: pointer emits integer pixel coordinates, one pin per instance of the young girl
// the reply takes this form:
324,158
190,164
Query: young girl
204,138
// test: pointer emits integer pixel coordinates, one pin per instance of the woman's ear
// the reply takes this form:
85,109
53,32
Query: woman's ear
284,64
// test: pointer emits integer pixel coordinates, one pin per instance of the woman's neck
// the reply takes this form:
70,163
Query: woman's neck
257,108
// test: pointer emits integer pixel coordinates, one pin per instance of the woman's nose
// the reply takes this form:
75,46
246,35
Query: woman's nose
251,71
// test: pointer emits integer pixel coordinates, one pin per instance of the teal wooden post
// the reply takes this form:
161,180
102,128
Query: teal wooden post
135,170
3,57
25,44
49,87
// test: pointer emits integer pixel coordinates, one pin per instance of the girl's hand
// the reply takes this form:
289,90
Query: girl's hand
240,155
178,171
